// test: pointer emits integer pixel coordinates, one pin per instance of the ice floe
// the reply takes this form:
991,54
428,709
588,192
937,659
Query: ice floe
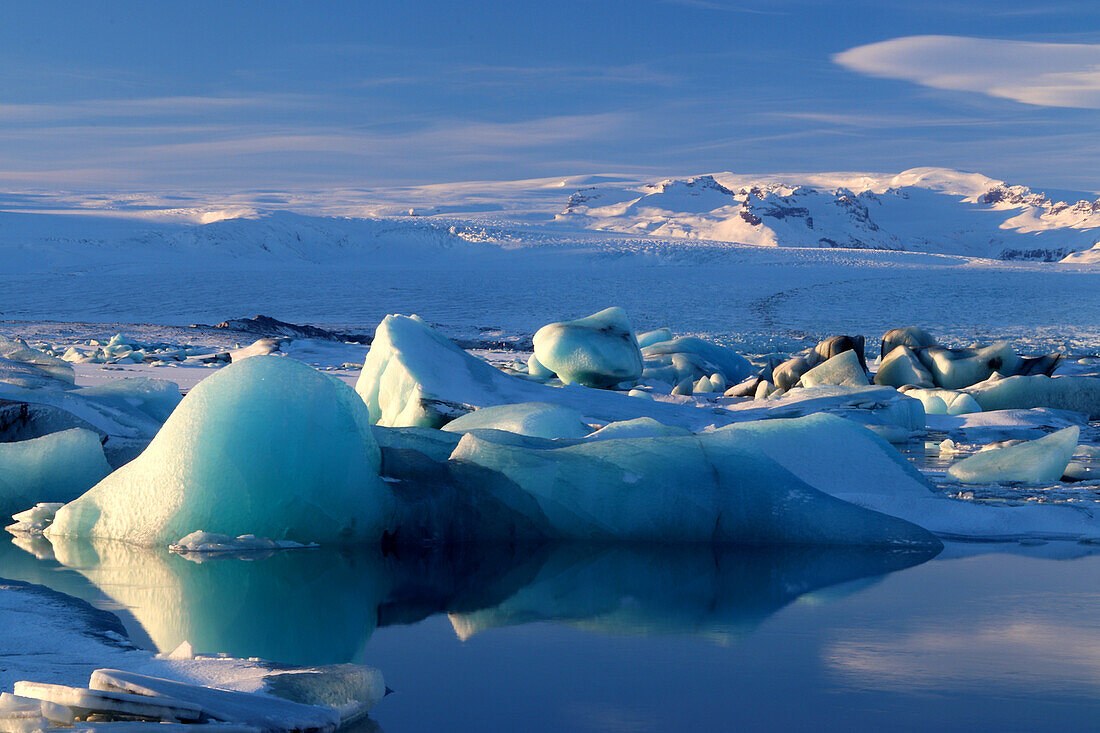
1043,459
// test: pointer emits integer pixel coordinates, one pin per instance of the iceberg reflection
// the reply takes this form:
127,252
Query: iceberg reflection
321,606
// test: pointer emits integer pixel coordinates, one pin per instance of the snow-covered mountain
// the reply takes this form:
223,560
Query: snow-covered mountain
923,209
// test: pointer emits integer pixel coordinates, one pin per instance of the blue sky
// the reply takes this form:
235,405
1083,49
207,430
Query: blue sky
139,96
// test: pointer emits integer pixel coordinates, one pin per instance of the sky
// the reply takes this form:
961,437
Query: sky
278,96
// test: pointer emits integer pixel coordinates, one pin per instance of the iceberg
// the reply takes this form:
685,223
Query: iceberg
15,350
960,368
690,357
56,467
882,409
701,488
154,397
901,367
639,427
843,369
1033,461
943,401
265,446
911,337
413,376
1077,394
599,350
537,419
656,336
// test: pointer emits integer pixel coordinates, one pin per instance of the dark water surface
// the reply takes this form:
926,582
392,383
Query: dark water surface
627,638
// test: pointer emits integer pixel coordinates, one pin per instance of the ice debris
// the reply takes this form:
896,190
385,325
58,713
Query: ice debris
213,543
599,350
1034,461
267,445
35,519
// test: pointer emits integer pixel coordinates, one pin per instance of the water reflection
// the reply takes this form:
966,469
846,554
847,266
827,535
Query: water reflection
321,606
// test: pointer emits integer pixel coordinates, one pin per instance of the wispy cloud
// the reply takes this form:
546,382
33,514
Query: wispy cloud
469,76
1044,74
89,109
729,6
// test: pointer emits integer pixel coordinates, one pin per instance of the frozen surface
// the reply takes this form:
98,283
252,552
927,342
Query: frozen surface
267,446
54,468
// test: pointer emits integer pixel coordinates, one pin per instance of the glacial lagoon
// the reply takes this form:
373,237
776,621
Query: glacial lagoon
994,636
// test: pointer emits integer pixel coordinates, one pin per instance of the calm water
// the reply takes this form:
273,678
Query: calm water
567,637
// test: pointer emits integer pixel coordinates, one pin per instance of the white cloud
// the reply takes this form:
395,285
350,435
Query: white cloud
1046,74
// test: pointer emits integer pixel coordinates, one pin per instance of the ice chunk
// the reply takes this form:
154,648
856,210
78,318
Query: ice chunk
599,350
912,337
993,425
56,467
262,711
689,357
880,408
35,519
959,368
267,445
27,376
843,369
414,376
538,419
1079,394
155,397
640,427
698,488
944,401
538,370
901,367
18,351
832,346
146,705
1033,461
657,336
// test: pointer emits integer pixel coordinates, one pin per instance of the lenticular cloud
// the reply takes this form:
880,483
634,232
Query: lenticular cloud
1047,74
